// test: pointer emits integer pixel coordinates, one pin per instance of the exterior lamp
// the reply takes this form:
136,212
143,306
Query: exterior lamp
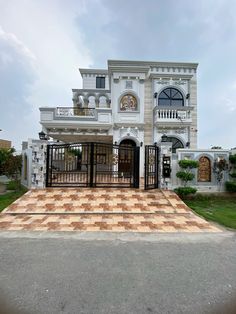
164,138
42,136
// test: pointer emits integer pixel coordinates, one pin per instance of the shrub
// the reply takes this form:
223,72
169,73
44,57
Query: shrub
14,185
233,175
230,186
184,191
188,163
185,176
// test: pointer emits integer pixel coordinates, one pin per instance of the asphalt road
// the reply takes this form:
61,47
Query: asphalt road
117,273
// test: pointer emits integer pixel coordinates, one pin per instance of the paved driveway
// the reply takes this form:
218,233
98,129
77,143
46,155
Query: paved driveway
109,209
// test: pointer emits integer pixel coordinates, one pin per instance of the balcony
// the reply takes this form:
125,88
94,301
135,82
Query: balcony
74,117
170,115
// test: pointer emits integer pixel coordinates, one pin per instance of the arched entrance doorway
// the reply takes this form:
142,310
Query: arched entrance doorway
126,156
204,169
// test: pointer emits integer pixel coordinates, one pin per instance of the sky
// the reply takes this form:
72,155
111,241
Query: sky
43,44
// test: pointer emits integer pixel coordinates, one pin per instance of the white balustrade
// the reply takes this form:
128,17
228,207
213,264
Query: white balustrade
172,114
74,112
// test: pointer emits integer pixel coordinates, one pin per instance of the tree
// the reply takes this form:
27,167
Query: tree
186,175
231,185
10,165
5,155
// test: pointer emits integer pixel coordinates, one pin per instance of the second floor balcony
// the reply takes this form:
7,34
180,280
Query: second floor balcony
75,116
171,115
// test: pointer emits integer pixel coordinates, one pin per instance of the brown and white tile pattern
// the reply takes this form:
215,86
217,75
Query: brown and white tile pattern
108,209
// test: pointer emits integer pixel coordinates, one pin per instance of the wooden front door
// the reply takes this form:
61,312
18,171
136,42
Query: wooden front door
204,170
126,156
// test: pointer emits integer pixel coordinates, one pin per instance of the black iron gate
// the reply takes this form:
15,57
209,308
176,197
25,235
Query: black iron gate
92,165
151,167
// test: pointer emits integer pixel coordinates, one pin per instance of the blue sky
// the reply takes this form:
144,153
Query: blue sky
43,43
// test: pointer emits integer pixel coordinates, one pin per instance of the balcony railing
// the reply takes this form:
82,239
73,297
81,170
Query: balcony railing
71,116
172,115
72,111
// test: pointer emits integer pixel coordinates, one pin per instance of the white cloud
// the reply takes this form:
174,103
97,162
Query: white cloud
234,85
44,36
16,44
49,40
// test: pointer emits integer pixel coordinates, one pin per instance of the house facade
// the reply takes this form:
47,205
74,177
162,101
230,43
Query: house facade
133,120
131,102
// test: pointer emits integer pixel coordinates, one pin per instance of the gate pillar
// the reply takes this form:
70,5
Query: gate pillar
165,165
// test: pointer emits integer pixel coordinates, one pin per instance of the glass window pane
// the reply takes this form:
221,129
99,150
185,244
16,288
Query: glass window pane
176,94
164,102
100,82
167,91
177,103
163,95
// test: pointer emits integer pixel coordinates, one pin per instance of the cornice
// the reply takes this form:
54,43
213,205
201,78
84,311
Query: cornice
126,63
93,71
94,90
128,69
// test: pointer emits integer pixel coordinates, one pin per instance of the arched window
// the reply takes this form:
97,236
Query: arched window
176,143
171,97
91,102
102,102
128,103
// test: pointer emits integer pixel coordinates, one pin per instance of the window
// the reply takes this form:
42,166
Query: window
128,103
100,82
171,97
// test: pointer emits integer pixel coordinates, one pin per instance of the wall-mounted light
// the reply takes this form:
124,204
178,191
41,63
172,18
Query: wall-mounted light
164,138
187,96
42,136
115,143
155,95
187,144
141,144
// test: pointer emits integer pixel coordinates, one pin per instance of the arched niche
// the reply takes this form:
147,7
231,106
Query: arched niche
128,102
204,169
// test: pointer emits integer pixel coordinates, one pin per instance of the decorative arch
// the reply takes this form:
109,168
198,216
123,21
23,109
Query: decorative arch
103,101
92,101
176,142
171,96
128,142
128,102
204,169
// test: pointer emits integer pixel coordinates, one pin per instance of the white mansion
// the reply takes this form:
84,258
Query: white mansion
136,103
132,102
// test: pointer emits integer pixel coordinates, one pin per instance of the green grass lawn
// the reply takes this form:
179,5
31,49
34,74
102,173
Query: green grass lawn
10,197
221,209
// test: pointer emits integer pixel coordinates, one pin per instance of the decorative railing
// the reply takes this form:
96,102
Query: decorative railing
172,114
72,111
